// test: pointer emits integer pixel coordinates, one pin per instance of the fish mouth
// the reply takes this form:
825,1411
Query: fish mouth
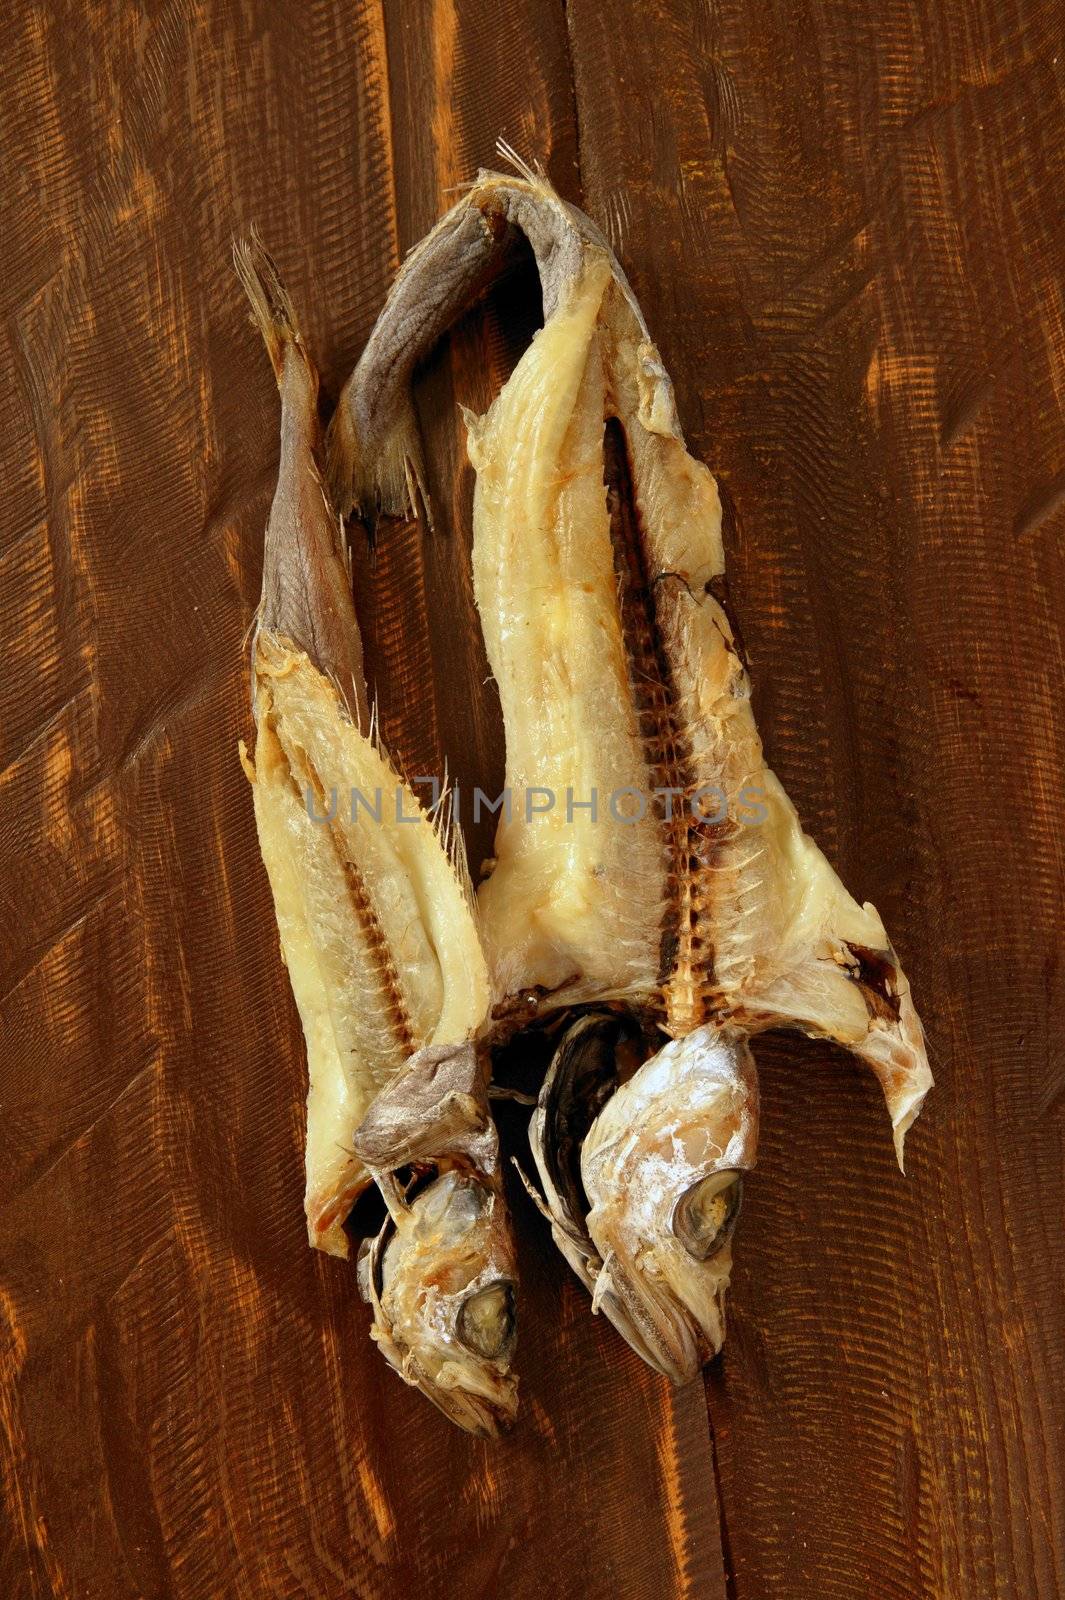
667,1338
477,1414
663,1331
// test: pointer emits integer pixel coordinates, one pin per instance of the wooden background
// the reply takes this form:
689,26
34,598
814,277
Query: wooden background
844,224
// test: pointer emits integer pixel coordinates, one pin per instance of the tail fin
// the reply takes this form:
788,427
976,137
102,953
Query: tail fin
271,307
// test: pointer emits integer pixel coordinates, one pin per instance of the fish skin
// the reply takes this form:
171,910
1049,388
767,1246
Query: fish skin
306,585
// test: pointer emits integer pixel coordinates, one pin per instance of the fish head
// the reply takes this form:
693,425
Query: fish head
662,1168
441,1274
642,1170
442,1284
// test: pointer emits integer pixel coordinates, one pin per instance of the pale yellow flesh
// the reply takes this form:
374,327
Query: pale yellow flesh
375,920
575,905
570,894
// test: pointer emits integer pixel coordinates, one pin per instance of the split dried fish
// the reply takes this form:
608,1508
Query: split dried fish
378,934
599,577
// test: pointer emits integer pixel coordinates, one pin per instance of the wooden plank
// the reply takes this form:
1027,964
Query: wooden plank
841,225
190,1406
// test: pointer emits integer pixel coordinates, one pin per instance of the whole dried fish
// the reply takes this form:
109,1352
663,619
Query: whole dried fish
377,931
599,576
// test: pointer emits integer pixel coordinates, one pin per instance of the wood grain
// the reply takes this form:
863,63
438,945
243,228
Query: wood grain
844,225
860,312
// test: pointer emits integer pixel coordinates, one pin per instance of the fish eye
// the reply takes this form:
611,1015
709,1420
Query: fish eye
705,1214
486,1319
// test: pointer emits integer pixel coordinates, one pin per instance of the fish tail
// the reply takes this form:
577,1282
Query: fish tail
271,306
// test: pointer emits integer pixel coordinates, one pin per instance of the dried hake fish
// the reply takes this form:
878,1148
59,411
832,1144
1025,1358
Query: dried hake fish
599,576
374,906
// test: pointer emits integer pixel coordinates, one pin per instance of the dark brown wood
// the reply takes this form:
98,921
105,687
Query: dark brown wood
844,225
839,222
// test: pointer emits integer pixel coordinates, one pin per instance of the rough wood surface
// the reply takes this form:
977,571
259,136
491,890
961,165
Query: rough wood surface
844,225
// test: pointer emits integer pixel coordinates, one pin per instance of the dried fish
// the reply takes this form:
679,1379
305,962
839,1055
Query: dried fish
697,905
375,915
